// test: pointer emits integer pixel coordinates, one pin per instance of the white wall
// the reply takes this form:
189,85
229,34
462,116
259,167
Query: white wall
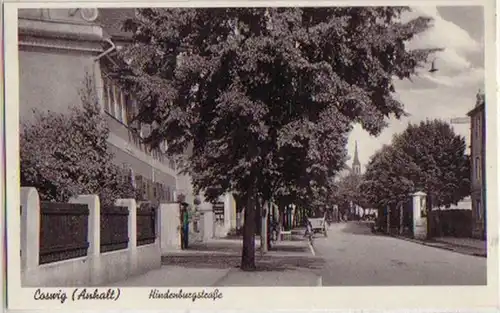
184,186
465,204
207,221
169,227
419,221
94,269
223,227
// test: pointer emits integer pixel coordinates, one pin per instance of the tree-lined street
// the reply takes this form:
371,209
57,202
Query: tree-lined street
351,255
254,109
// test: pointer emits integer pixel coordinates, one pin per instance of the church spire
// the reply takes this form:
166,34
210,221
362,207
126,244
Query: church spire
356,165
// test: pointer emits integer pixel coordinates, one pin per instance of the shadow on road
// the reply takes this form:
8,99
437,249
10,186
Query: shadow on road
263,263
225,247
359,228
282,248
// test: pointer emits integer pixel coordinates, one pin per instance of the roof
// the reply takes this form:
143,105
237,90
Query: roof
112,19
476,110
480,101
356,159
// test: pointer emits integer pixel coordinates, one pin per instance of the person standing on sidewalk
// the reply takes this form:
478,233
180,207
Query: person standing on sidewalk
184,226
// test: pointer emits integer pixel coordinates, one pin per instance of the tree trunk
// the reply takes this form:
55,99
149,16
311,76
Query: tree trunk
428,210
388,219
263,228
248,253
401,224
269,220
280,219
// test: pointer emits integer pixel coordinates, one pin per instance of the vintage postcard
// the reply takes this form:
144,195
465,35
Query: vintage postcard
210,155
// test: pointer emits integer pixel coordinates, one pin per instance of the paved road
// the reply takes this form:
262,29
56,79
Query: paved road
353,256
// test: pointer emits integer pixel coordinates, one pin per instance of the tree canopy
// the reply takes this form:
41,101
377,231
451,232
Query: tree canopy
388,177
429,157
267,96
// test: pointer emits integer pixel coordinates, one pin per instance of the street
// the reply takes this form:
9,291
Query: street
353,256
350,256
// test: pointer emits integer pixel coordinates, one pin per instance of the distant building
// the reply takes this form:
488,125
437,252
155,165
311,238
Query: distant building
356,165
58,48
355,168
464,204
478,179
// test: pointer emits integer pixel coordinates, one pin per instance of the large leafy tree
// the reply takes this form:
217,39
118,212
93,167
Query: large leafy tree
440,154
389,177
428,156
266,96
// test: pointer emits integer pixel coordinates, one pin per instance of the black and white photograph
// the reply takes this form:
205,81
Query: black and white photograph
252,146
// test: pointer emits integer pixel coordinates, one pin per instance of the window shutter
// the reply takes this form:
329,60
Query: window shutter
163,193
105,93
150,190
129,109
159,192
148,186
139,183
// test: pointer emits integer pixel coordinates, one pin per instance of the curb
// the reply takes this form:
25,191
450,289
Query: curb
313,252
194,253
456,244
218,282
441,245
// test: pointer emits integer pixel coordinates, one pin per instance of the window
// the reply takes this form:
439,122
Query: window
132,178
163,146
140,186
171,163
479,213
161,191
477,168
478,127
107,97
167,194
116,102
149,190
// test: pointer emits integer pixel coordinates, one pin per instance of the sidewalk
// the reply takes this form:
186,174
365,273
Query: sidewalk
468,246
175,276
216,263
464,242
222,246
284,278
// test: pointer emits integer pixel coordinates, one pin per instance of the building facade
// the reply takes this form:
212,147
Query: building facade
478,168
58,50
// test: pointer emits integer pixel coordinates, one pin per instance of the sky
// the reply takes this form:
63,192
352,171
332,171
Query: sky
446,94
